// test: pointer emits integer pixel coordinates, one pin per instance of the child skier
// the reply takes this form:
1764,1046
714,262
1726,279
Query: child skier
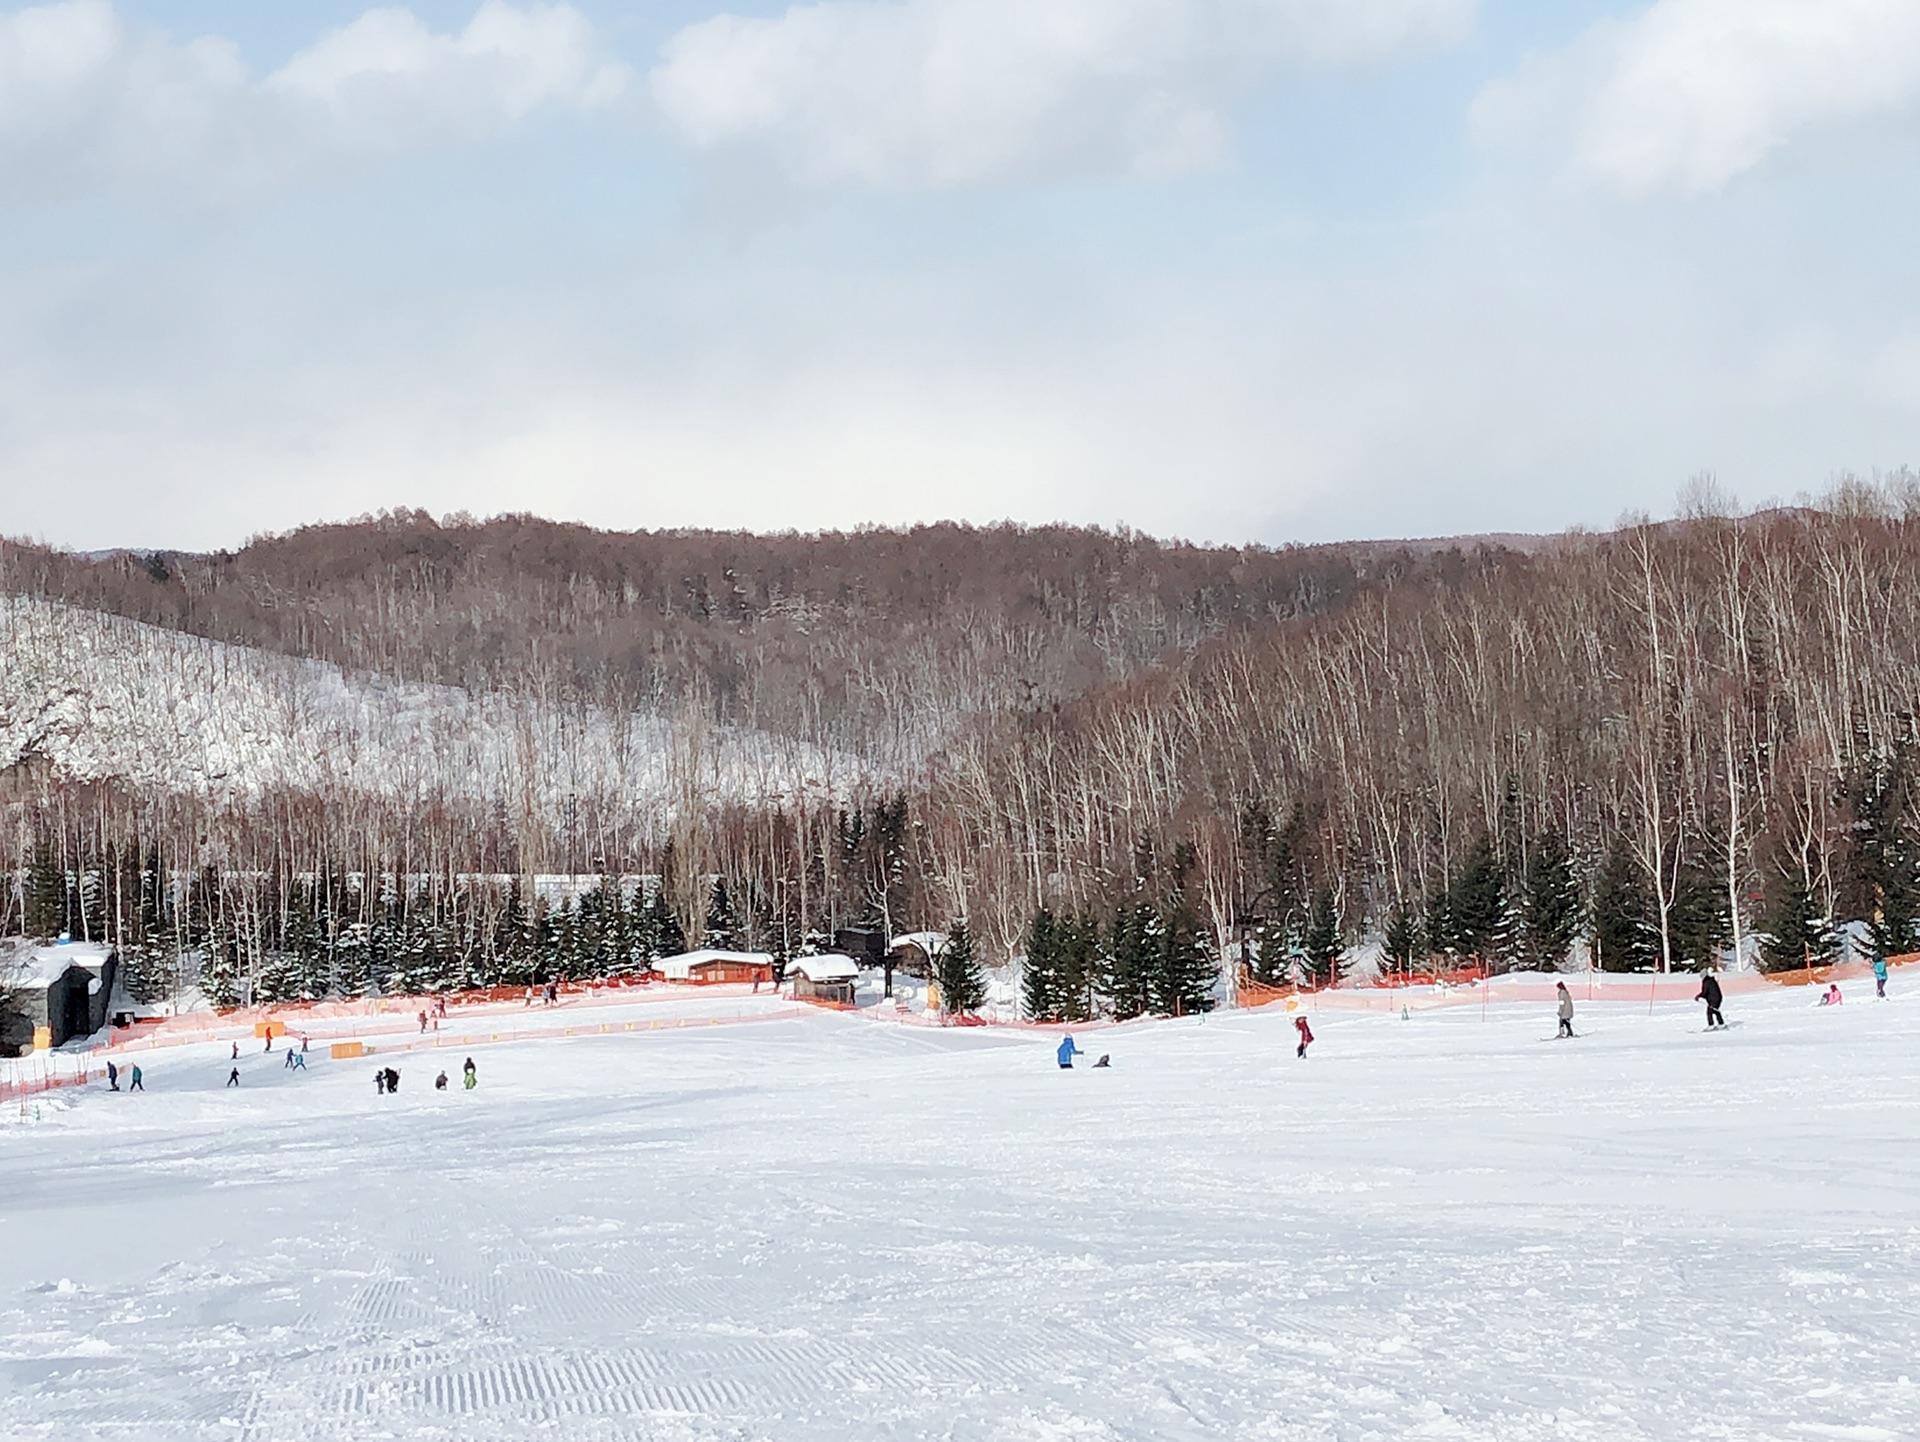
440,1082
1880,977
472,1076
1306,1035
1566,1008
233,1077
1068,1051
1710,994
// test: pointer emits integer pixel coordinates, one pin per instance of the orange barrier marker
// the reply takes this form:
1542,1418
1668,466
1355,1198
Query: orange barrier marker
342,1050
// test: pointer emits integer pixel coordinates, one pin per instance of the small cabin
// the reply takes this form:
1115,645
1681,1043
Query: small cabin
828,978
712,967
50,994
915,952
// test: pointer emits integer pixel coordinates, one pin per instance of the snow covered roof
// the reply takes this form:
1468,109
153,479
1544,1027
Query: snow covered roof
26,965
682,967
830,967
931,942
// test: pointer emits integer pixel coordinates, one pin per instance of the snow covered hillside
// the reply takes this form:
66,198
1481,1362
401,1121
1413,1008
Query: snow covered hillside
86,696
828,1227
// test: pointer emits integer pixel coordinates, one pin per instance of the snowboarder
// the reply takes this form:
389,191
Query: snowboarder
113,1077
233,1077
1880,977
1566,1008
472,1076
136,1085
440,1082
1068,1051
1710,994
1306,1035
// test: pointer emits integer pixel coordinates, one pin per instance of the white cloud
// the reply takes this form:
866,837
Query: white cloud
950,92
1689,94
82,91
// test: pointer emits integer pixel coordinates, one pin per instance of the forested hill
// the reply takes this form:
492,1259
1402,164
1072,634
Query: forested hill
878,642
1661,744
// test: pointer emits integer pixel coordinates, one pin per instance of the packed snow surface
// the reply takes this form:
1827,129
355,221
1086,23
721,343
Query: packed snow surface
827,1226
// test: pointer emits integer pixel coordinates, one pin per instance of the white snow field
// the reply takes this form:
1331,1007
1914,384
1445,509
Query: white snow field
826,1226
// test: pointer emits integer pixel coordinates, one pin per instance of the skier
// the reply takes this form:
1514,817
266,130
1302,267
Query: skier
440,1082
1306,1035
136,1085
423,1023
269,1046
1880,977
1831,997
236,1052
1068,1051
113,1077
380,1082
299,1060
393,1081
1710,994
303,1046
472,1076
1566,1008
233,1077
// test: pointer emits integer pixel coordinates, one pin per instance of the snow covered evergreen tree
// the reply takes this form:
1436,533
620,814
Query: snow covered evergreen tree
1041,992
1321,945
722,924
46,893
1402,939
1133,948
1550,902
1184,966
963,985
1624,938
1477,907
1794,932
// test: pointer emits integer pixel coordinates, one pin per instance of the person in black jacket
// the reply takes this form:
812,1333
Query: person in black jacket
1710,994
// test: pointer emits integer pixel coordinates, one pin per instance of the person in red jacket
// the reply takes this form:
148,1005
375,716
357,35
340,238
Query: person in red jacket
1306,1034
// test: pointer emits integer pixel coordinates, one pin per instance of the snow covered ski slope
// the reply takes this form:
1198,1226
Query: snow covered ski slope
829,1227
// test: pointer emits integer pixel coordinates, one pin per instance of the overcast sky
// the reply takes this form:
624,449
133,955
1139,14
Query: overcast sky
1237,270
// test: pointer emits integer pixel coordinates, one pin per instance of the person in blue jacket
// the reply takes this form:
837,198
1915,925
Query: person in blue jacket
1068,1051
1880,975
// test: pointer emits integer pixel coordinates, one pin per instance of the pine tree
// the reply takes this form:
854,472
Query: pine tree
1042,996
669,937
1322,942
963,986
723,926
1550,905
1437,929
1623,928
1132,947
1477,901
46,893
1697,921
1794,933
1402,939
1077,950
1184,966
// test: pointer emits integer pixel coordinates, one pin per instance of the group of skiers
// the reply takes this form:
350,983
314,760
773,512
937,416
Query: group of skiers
135,1082
387,1080
1710,993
